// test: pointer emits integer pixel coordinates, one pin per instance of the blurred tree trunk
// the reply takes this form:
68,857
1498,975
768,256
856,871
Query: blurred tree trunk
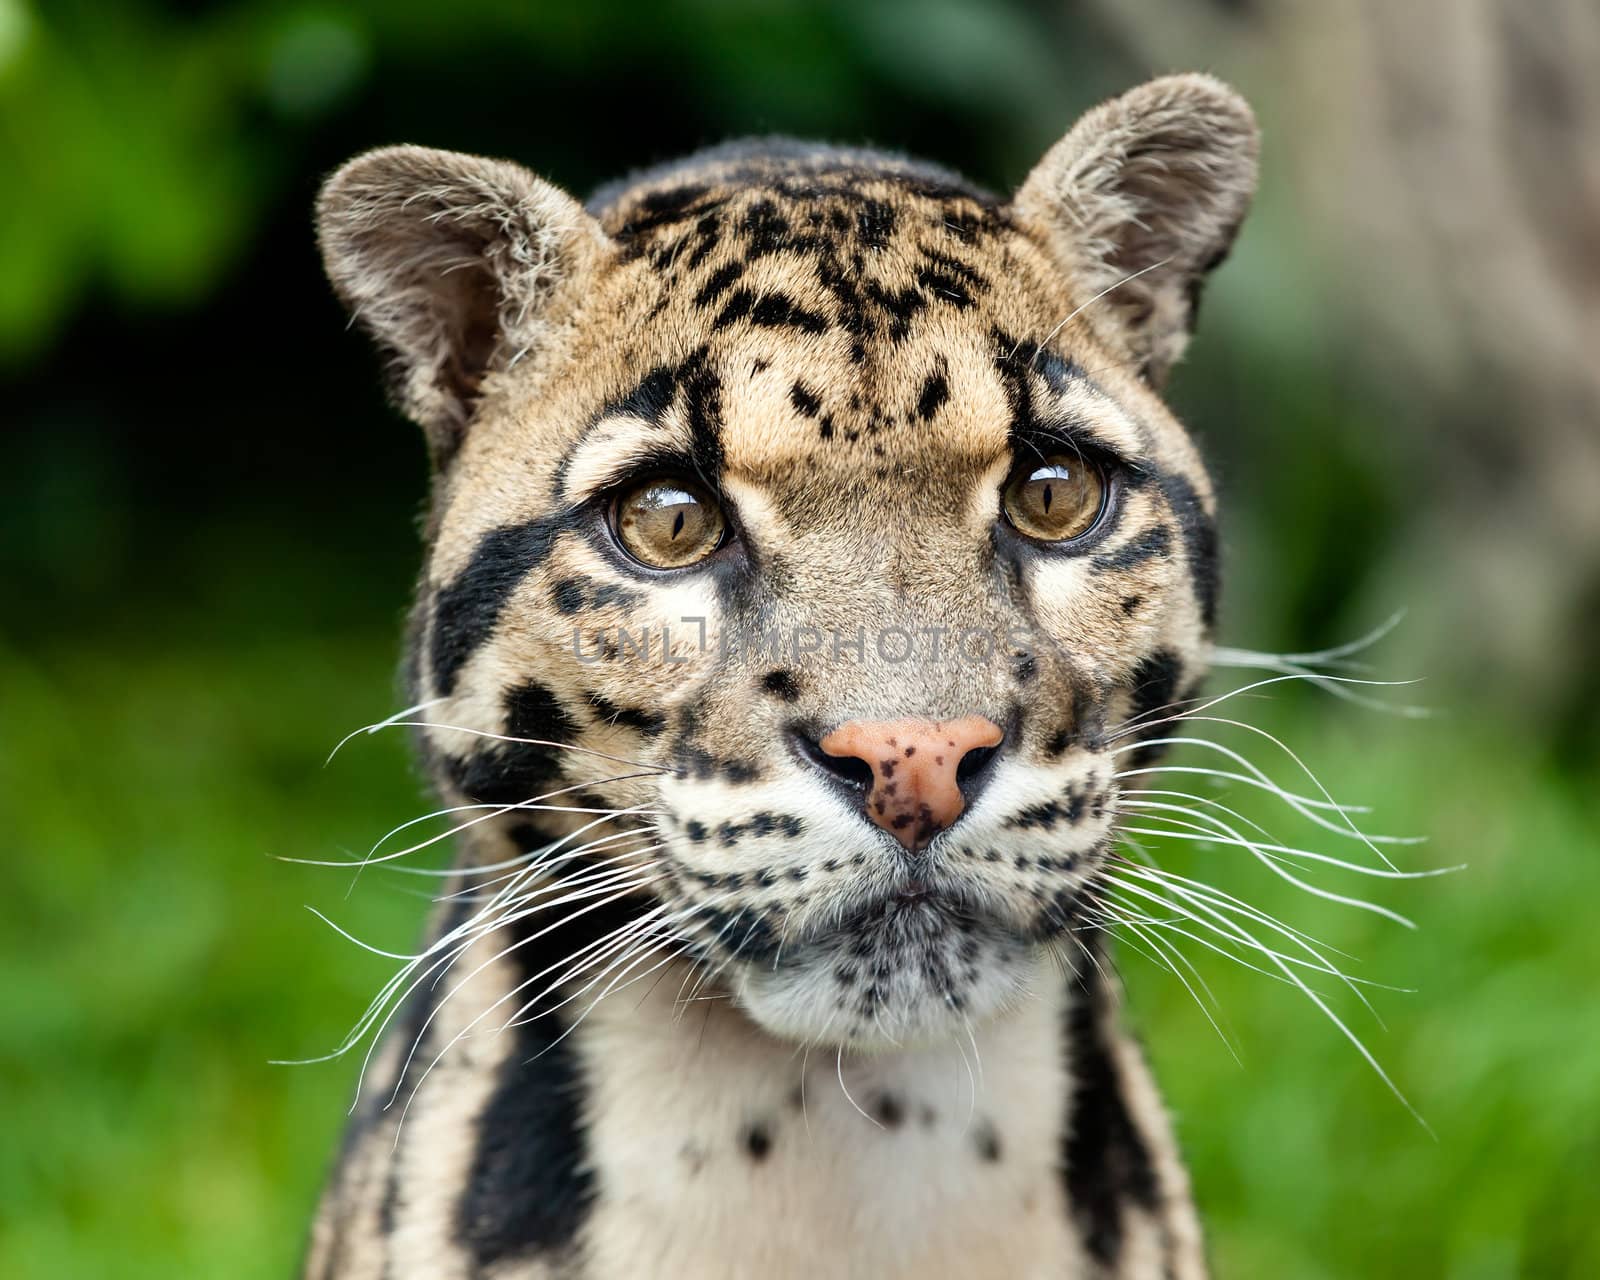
1448,152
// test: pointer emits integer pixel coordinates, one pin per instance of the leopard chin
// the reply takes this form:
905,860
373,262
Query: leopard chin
905,972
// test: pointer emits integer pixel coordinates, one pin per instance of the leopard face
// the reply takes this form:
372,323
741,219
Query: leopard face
768,472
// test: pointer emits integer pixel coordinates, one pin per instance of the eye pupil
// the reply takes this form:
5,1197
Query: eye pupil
1058,500
667,523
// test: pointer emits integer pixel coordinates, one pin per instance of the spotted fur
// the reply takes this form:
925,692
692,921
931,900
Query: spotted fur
892,1064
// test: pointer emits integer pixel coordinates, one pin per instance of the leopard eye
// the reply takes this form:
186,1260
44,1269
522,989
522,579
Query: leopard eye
1056,500
668,523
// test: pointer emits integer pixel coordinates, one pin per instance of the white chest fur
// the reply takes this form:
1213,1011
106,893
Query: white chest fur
720,1152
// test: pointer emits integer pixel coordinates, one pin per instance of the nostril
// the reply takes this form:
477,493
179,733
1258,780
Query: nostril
851,770
973,764
973,770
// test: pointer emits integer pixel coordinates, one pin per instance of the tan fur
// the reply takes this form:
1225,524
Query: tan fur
853,352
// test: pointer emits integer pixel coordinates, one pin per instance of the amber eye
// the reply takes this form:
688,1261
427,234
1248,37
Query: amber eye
668,523
1057,499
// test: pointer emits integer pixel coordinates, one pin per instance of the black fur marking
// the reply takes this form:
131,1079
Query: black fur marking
1150,544
1130,605
666,207
530,1186
781,684
648,723
779,311
902,307
935,393
568,595
1067,809
875,224
805,402
508,773
648,400
987,1141
1105,1160
1153,684
466,610
1199,542
945,287
888,1111
721,281
702,399
765,229
757,1140
708,231
737,307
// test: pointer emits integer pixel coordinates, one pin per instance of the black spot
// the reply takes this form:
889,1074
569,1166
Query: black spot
1153,542
758,1142
778,311
1105,1160
532,711
945,287
720,282
888,1111
1130,605
696,831
708,232
935,392
568,595
648,723
875,223
901,306
804,401
781,684
987,1140
735,308
665,207
765,229
466,610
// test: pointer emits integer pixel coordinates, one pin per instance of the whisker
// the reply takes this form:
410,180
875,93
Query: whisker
387,722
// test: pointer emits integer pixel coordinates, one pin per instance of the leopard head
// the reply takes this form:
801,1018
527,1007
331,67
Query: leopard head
810,546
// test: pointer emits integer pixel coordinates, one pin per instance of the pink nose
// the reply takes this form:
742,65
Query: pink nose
914,794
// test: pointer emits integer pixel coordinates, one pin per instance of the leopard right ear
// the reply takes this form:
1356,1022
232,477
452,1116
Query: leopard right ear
456,265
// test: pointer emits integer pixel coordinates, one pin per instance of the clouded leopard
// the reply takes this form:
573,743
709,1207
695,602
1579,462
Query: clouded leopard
809,549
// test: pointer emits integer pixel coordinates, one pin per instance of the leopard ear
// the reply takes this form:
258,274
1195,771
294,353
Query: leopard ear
456,265
1139,201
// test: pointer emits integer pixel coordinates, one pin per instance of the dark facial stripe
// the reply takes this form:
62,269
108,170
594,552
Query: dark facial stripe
702,407
1154,684
505,773
1153,542
1199,533
530,1186
465,611
1106,1164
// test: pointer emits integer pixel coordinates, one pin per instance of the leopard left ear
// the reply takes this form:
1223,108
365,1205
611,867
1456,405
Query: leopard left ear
1141,200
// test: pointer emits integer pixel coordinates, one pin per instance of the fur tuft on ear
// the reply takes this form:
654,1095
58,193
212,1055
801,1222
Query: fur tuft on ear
1139,201
453,264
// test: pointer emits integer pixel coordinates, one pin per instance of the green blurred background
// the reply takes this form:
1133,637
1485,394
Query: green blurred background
208,528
